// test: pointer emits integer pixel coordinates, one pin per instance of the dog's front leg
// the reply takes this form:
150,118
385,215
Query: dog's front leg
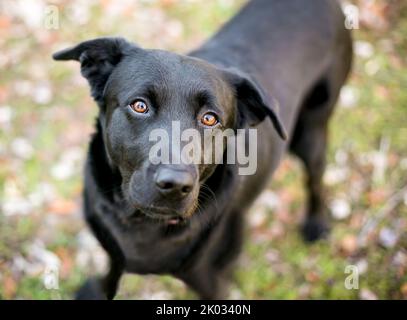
206,283
104,288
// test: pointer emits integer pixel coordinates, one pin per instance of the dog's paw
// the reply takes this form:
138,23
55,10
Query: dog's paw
91,290
314,229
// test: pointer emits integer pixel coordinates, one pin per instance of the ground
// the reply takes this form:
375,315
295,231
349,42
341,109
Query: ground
47,116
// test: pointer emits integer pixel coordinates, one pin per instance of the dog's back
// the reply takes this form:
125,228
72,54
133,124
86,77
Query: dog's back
271,39
298,51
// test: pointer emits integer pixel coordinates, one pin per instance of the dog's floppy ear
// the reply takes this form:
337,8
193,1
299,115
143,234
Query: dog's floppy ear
97,57
252,102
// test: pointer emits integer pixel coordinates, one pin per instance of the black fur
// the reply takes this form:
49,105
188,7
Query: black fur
296,52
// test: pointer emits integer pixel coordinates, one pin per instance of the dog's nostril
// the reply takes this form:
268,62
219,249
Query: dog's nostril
174,182
186,189
166,185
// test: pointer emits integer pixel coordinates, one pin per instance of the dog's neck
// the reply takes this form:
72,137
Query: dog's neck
107,178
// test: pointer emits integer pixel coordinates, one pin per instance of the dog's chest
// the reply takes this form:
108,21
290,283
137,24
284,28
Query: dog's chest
153,253
147,249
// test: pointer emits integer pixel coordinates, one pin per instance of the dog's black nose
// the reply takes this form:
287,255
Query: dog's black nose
174,182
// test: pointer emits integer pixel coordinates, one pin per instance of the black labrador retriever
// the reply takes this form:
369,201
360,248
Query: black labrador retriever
277,66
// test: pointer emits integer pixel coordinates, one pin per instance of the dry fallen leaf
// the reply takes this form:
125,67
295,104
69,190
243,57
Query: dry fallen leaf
9,287
349,244
366,294
67,262
277,230
312,276
377,197
62,207
404,290
340,209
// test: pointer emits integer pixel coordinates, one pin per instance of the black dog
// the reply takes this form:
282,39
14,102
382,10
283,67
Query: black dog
185,219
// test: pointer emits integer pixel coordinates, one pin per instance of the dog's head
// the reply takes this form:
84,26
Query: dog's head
140,90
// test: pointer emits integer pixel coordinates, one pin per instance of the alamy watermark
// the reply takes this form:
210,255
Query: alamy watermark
351,16
50,277
352,280
51,17
191,147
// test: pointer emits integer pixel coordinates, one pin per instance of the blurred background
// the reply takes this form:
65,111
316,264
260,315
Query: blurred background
47,116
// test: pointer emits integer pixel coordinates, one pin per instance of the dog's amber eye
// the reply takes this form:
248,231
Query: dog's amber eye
209,119
139,106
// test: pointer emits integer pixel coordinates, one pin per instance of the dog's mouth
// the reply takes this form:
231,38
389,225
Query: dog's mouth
164,218
161,215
